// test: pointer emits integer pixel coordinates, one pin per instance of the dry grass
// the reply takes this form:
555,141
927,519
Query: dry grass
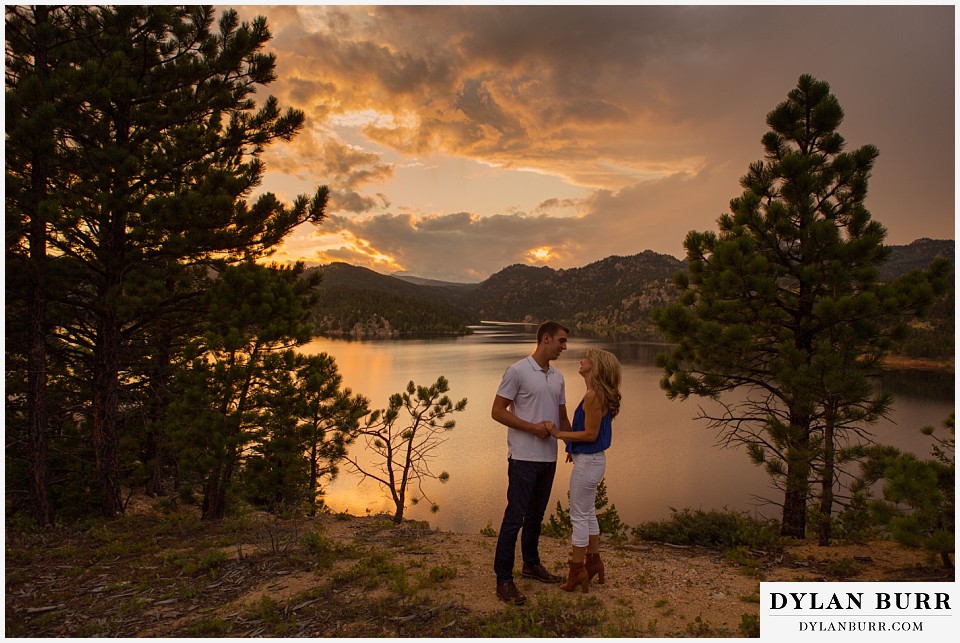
154,573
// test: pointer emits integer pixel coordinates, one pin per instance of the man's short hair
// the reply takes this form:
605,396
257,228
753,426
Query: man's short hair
550,328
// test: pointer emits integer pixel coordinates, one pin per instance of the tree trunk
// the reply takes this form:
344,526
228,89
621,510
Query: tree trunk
112,255
794,519
396,491
153,461
314,470
215,492
826,490
213,498
106,401
215,489
37,380
37,385
106,361
36,306
160,375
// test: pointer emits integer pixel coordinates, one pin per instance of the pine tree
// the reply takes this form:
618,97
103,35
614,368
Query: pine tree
307,422
919,496
37,44
156,145
784,305
405,443
236,390
275,471
329,418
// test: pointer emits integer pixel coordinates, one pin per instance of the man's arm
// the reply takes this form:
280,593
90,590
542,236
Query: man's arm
502,414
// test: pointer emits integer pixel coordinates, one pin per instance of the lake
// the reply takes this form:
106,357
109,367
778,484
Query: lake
662,457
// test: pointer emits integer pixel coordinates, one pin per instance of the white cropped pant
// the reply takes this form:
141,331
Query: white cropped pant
588,469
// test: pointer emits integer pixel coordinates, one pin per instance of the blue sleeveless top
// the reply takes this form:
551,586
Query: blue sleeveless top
602,443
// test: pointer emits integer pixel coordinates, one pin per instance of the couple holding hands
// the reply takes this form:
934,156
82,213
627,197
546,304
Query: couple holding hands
531,402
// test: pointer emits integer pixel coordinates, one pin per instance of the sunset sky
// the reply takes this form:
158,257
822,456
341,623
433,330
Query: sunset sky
457,140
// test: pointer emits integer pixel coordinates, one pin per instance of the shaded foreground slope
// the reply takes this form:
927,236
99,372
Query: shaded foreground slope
155,573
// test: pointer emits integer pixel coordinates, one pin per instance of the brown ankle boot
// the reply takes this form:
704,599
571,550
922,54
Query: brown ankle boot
595,567
577,576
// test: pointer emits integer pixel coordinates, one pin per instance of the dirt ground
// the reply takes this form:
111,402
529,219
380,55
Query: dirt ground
665,589
155,576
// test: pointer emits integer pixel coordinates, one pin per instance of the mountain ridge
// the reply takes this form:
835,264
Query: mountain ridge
610,296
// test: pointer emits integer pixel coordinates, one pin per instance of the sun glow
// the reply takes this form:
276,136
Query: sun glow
373,118
540,254
346,247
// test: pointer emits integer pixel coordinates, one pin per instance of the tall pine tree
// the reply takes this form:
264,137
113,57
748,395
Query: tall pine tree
38,47
157,146
784,305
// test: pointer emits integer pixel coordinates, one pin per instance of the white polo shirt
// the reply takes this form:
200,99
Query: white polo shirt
535,395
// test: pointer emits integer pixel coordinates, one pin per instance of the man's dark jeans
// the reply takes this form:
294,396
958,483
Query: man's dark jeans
528,493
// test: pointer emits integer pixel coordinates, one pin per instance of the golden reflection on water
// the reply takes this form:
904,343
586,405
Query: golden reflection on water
661,456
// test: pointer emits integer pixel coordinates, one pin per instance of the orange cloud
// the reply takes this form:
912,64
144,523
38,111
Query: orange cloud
486,83
640,116
346,247
319,155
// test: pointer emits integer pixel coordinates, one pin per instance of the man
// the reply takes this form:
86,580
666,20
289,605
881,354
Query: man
530,401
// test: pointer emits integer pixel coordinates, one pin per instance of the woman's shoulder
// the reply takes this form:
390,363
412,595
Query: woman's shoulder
591,400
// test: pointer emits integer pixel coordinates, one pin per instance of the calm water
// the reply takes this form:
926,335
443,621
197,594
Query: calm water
661,457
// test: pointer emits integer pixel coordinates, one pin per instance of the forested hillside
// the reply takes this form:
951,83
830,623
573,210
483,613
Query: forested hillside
610,296
362,303
932,336
613,296
915,256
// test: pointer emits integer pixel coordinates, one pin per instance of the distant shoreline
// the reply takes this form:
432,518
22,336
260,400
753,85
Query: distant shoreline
906,363
892,362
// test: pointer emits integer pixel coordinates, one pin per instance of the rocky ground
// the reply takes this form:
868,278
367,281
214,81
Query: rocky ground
156,573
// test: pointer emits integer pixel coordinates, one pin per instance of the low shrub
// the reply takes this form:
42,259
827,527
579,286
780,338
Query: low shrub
611,527
715,529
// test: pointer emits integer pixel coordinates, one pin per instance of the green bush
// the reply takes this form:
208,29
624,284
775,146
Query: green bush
918,496
714,529
750,626
559,525
324,550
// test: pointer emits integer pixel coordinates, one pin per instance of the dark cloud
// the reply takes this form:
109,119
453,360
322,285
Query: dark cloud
655,111
480,106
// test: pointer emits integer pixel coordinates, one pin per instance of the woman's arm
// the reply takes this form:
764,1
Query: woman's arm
593,414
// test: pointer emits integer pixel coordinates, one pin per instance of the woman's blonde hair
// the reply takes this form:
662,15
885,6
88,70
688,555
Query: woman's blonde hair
606,379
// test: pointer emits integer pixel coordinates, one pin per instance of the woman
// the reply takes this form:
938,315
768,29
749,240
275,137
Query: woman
587,441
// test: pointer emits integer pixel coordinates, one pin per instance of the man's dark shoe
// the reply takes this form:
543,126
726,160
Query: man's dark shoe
508,593
540,572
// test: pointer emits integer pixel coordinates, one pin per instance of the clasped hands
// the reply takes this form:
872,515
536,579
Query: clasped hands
546,428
